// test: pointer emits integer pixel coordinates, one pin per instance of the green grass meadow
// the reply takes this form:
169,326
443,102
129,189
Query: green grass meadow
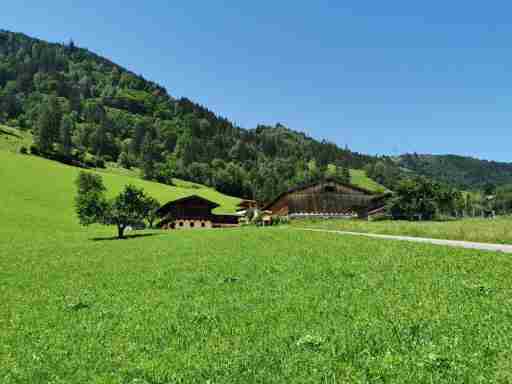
249,305
497,231
238,306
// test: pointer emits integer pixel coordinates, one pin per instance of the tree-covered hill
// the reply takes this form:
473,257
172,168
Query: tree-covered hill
83,107
79,106
462,172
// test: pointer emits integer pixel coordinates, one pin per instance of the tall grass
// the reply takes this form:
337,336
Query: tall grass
478,230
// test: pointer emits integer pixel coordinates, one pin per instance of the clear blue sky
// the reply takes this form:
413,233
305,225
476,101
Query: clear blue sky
378,76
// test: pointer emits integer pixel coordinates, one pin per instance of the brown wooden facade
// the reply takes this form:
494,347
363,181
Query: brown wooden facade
193,212
327,198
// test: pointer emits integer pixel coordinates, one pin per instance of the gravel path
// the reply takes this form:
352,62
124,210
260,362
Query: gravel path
449,243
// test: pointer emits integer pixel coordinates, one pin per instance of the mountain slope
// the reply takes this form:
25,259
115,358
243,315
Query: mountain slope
79,103
463,172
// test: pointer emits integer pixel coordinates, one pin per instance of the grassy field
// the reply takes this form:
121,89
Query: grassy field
248,305
497,231
244,306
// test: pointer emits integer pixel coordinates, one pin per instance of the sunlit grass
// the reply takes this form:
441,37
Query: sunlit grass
250,305
478,230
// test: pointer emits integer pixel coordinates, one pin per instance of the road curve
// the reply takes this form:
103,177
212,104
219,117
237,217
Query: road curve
450,243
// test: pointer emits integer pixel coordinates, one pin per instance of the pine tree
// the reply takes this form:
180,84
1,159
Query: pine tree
100,137
149,156
44,135
55,117
67,127
345,174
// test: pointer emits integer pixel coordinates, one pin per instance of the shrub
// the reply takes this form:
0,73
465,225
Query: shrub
34,149
125,160
89,160
100,163
23,150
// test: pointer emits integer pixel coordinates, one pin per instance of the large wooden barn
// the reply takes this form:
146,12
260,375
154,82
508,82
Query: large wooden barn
327,199
193,212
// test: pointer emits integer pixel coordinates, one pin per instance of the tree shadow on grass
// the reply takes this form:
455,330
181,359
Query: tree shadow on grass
127,237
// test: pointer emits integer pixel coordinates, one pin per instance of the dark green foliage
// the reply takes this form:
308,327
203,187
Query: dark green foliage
150,154
151,206
91,205
128,208
385,172
489,189
462,172
125,160
67,126
422,199
34,150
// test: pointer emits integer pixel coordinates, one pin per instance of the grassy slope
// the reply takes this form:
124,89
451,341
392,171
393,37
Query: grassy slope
479,230
45,190
358,177
13,139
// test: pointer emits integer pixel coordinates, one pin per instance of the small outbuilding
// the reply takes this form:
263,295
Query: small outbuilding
193,212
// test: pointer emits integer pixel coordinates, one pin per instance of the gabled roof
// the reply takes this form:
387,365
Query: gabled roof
302,187
170,204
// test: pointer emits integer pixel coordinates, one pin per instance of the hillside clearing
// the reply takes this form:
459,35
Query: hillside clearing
359,178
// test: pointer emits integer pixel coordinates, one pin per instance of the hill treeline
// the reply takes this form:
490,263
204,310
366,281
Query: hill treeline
459,171
84,107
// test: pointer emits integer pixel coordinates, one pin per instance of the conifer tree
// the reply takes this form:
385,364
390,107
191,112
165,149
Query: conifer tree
44,135
67,127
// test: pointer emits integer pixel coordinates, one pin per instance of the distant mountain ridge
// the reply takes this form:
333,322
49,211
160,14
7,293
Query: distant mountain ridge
460,171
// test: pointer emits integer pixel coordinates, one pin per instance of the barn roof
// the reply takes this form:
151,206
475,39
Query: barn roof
306,186
170,204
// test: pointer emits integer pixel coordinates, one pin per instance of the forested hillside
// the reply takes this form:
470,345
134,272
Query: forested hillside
459,171
83,108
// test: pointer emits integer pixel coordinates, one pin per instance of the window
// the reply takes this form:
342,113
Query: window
181,223
203,225
330,188
192,224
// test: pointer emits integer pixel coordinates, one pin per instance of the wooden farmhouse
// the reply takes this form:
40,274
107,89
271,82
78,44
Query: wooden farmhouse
193,212
327,199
